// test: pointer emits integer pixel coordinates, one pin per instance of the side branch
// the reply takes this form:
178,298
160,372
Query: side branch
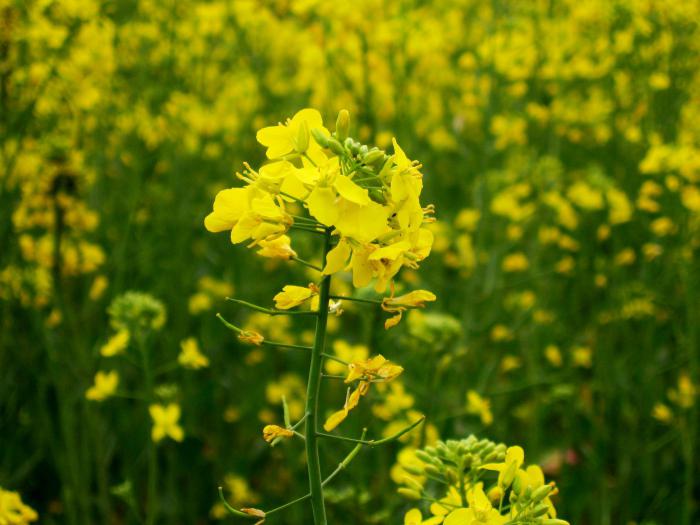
374,442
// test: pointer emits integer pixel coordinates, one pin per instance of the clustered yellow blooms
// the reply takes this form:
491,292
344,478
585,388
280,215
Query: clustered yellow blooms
470,498
375,370
371,201
13,511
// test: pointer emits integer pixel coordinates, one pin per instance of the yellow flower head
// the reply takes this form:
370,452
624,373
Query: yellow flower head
116,344
191,356
13,511
376,369
292,296
515,456
166,422
270,432
293,136
106,384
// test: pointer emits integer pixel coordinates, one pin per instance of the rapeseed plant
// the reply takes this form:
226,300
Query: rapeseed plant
365,205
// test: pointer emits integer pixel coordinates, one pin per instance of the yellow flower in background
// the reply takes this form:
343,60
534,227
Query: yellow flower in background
13,511
662,413
553,355
515,262
166,422
105,386
582,356
98,287
116,344
501,333
271,432
292,296
346,352
479,406
191,356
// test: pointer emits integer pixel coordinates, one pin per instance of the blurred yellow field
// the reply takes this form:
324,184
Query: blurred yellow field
367,262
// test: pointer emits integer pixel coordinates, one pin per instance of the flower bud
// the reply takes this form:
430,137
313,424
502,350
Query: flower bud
541,492
335,146
413,469
409,493
342,125
319,137
413,484
554,521
373,156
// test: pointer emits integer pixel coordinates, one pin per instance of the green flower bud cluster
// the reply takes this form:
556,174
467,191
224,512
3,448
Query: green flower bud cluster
453,460
136,312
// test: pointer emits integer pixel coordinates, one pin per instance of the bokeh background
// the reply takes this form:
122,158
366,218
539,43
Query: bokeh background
561,146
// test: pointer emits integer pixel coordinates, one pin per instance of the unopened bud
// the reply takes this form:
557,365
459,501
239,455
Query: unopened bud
538,511
554,521
342,125
409,493
413,484
541,492
320,138
336,147
373,156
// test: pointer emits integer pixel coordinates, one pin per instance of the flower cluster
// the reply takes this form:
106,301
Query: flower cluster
371,200
467,494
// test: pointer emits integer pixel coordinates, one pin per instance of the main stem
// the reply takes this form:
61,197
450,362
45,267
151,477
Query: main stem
312,390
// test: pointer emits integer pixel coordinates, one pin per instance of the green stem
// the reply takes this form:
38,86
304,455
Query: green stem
307,264
269,311
312,394
152,475
374,442
355,299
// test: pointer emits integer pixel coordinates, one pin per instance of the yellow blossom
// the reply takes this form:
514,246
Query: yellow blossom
116,344
479,406
106,384
13,511
292,296
191,356
271,432
166,422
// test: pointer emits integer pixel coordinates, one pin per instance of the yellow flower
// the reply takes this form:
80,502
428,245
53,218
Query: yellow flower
515,262
105,386
116,344
480,511
13,511
582,356
251,337
293,136
414,517
278,248
515,456
501,333
347,353
165,422
398,305
662,413
479,406
553,355
292,296
191,356
351,402
270,432
376,369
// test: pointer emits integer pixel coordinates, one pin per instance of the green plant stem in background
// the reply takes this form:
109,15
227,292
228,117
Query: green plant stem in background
152,475
312,392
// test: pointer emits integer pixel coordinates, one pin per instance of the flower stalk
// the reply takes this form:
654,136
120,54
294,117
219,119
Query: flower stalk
312,394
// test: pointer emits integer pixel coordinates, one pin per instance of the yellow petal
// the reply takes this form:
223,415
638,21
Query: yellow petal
229,206
362,223
335,419
277,139
351,191
337,258
390,252
322,205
